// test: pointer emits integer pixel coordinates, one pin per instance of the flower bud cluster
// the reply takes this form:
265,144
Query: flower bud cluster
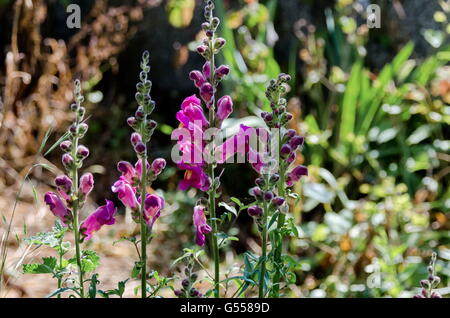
187,290
264,192
432,281
209,77
140,122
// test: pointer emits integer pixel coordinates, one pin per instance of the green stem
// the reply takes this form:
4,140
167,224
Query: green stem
60,263
143,228
212,192
215,246
75,210
78,252
262,271
279,237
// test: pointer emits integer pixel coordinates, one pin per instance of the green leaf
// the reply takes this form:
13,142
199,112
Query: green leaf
56,144
43,238
93,286
237,201
47,267
89,261
228,208
348,111
136,269
62,290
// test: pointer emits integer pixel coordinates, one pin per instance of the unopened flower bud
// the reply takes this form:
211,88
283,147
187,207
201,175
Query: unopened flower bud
206,92
222,71
220,42
135,138
178,293
63,183
285,150
206,69
131,121
255,211
66,145
82,129
82,151
260,182
201,49
435,295
205,26
140,148
158,166
224,107
256,192
198,78
296,141
279,201
86,183
425,283
268,196
291,157
67,160
290,133
274,178
185,283
151,124
139,113
215,22
209,33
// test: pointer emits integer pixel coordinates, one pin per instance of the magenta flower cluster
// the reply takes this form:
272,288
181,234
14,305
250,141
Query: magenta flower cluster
129,186
72,193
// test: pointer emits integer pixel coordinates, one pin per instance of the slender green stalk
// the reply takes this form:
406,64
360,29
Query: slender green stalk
143,227
75,207
212,192
262,271
279,237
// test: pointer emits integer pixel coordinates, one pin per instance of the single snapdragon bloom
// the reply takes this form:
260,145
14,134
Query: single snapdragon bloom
153,205
295,175
58,207
194,177
126,194
191,113
104,215
200,224
224,107
64,186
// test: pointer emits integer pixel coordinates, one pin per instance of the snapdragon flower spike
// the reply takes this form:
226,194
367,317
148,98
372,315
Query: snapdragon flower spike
104,215
200,224
131,187
58,208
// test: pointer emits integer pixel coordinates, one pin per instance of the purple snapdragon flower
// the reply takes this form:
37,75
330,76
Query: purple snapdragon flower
200,224
104,215
58,207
